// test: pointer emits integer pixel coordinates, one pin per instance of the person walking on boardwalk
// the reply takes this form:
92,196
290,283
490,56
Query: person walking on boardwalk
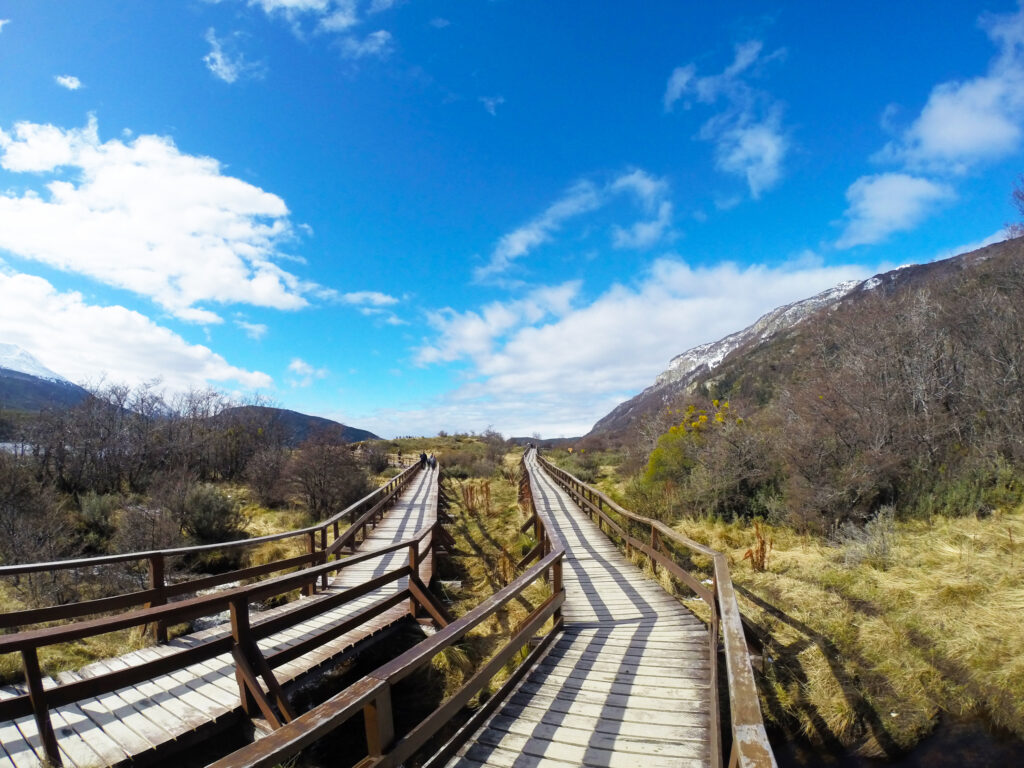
423,460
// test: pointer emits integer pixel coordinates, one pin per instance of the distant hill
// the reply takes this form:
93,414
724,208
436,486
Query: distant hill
27,385
297,427
760,350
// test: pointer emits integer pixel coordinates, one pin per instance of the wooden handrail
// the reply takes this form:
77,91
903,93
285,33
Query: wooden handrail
249,660
372,694
160,592
750,747
388,489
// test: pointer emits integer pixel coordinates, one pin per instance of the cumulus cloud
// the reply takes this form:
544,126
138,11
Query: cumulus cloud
224,61
472,334
748,135
885,203
146,217
85,341
70,82
965,122
305,373
521,353
585,197
376,45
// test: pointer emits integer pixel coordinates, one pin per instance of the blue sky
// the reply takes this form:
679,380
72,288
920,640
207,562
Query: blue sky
413,216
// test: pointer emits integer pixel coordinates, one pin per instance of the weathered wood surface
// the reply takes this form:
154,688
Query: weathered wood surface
627,682
142,719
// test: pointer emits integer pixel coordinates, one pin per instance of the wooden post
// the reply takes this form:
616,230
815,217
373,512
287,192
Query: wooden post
240,634
380,724
323,548
556,587
414,567
34,678
309,589
156,581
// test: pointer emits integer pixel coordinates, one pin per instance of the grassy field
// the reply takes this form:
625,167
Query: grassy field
869,641
872,633
486,520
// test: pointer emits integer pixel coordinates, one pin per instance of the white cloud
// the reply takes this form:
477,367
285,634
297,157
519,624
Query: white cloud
609,349
70,82
4,23
372,298
472,334
748,135
292,6
84,341
439,23
342,16
376,44
305,372
255,331
376,6
224,61
971,121
885,203
148,218
645,234
491,104
584,197
754,151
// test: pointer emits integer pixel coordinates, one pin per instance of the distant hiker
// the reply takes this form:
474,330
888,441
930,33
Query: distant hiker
432,461
423,459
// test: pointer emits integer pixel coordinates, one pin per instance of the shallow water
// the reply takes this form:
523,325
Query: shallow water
952,744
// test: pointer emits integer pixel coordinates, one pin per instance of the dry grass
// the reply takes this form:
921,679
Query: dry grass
488,546
866,655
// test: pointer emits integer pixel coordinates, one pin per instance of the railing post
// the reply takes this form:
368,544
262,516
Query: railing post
556,587
323,548
240,634
36,695
414,569
380,723
309,589
156,581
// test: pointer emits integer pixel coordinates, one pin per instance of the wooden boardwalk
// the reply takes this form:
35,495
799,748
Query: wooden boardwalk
626,684
141,722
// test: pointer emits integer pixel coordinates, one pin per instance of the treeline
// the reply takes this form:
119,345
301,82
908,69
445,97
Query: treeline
128,469
912,398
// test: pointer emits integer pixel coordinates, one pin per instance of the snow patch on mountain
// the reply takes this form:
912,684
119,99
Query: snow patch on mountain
14,358
710,355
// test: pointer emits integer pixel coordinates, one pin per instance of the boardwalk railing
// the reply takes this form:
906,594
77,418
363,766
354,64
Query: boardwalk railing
750,747
250,662
361,515
371,696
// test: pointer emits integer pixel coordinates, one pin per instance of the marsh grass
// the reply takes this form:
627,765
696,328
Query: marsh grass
867,646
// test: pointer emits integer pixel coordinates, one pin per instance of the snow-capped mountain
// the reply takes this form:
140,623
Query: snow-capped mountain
14,358
687,370
28,385
708,356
